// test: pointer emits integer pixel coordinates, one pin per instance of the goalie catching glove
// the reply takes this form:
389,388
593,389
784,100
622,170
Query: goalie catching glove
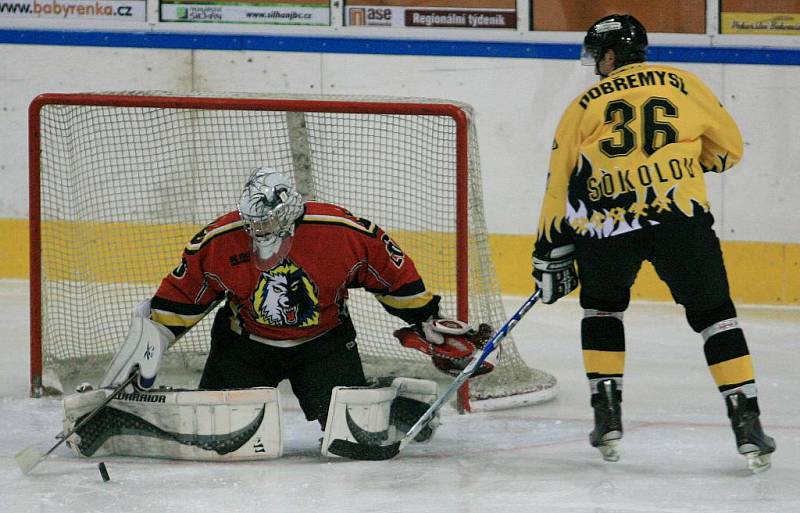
555,273
450,343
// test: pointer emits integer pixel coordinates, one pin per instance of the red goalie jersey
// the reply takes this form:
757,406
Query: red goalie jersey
303,296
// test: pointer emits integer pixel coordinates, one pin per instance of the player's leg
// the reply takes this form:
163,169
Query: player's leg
689,259
607,269
235,361
316,367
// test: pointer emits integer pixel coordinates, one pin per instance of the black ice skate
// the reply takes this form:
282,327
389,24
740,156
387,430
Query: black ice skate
751,441
607,420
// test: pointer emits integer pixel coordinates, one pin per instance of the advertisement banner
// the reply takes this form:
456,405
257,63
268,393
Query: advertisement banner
684,17
111,10
760,23
247,12
760,17
404,16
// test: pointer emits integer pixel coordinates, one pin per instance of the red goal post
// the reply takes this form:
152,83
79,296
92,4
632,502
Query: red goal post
120,181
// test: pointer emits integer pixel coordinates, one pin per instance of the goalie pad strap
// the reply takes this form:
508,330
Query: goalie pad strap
221,425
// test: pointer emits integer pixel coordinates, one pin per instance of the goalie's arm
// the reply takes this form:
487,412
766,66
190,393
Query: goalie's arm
155,325
412,302
182,300
392,277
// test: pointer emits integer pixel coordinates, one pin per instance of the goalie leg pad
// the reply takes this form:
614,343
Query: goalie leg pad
360,415
379,415
414,396
227,425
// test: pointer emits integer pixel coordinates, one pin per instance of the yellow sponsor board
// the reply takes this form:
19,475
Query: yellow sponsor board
143,253
775,280
111,252
760,23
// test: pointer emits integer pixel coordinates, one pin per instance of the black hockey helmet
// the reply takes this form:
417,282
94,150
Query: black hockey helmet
619,32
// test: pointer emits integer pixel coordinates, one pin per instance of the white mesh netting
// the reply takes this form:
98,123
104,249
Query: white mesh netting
123,188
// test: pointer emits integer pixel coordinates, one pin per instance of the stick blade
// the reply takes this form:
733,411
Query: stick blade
28,458
355,451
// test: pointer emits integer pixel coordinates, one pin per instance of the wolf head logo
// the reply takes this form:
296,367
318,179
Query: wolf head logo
286,297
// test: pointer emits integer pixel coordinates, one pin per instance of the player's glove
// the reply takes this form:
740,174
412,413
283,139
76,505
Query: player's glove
555,273
450,343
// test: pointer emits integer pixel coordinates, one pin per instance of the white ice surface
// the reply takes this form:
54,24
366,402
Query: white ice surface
678,453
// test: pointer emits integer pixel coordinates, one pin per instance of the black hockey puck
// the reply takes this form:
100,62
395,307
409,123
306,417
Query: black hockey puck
103,471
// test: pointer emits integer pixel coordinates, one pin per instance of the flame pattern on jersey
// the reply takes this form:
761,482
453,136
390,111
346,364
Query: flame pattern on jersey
305,295
624,211
631,152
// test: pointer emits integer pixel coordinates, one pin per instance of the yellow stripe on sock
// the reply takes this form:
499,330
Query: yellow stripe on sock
733,372
604,362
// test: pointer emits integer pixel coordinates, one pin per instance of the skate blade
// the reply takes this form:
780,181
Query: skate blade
757,462
609,450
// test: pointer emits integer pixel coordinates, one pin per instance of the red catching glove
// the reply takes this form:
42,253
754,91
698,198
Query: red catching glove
451,344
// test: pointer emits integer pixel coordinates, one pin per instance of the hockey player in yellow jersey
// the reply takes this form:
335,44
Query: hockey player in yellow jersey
626,184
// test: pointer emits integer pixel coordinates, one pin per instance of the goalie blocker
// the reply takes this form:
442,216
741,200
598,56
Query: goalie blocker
220,425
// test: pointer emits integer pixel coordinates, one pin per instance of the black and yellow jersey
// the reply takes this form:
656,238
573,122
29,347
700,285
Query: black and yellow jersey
630,152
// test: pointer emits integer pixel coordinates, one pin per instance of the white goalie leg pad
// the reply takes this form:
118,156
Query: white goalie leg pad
224,425
360,415
414,396
423,390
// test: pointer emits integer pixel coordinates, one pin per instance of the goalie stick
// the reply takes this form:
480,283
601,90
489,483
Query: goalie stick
28,458
370,452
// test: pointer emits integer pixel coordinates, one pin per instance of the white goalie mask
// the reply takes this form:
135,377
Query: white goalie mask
269,207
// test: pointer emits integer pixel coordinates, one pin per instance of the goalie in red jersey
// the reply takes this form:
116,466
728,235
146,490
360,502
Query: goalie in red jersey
283,268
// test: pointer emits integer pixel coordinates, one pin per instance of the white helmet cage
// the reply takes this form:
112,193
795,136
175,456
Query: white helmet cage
269,207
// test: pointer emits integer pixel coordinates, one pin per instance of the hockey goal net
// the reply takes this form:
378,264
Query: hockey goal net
119,182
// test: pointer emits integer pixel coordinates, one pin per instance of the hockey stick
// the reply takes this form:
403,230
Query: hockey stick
357,451
28,458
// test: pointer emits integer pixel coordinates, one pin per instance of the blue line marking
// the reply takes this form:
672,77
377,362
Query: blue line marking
381,46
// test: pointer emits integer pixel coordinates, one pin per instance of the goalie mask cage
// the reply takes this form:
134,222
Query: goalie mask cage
119,183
